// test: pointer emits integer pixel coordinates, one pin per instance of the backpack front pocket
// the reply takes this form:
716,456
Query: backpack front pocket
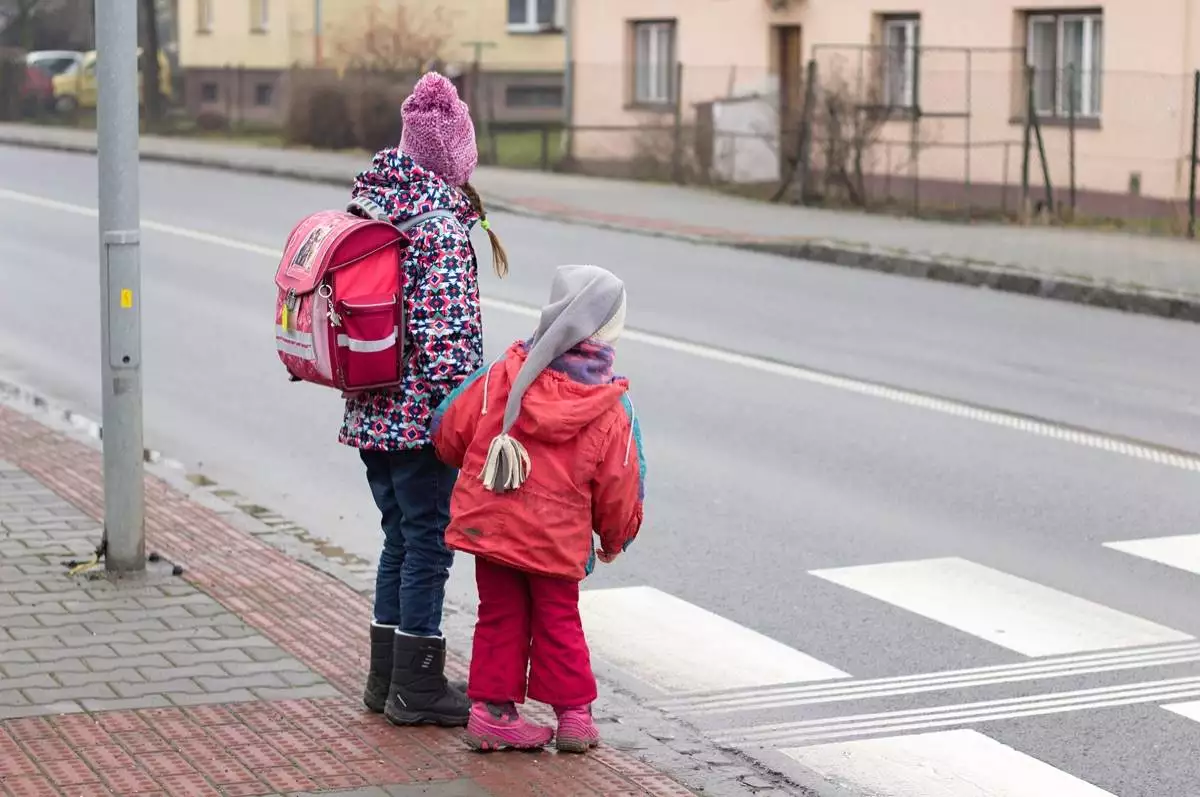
369,343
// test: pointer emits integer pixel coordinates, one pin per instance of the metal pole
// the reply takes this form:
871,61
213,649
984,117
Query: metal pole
967,137
120,284
568,145
1191,231
318,25
1027,143
1072,79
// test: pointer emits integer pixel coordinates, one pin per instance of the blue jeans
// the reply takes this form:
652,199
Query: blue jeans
412,490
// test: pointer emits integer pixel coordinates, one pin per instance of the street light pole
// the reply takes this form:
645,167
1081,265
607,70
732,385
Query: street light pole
120,283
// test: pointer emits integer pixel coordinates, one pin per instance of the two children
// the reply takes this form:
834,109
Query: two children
561,461
550,451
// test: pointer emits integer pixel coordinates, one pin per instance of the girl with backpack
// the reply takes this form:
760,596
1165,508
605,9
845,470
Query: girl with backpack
429,171
552,455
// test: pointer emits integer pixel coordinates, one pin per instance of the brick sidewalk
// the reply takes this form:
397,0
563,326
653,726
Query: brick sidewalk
231,679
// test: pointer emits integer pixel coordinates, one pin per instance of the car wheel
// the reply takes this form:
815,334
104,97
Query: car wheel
66,105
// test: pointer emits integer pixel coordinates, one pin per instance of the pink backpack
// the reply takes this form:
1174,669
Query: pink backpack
339,315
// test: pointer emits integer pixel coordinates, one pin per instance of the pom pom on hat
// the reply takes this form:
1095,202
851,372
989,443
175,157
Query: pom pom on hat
438,132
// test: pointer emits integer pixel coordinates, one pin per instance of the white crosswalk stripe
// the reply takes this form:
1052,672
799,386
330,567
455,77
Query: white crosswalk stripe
1020,615
678,647
960,763
872,734
1182,552
1190,710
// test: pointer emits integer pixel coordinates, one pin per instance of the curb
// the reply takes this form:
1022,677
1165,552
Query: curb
1140,301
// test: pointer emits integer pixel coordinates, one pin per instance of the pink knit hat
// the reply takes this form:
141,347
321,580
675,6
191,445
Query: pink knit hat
438,132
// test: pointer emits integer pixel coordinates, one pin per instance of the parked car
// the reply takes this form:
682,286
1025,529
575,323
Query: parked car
75,87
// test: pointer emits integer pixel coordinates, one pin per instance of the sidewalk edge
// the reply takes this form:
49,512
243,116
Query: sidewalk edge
683,763
1112,296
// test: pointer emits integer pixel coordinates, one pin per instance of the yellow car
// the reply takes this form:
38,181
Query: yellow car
76,87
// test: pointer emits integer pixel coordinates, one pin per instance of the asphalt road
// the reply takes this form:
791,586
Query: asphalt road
759,474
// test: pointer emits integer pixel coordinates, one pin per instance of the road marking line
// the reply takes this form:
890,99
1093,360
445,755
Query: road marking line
674,645
1190,710
1182,551
936,682
827,728
1012,612
1039,427
958,763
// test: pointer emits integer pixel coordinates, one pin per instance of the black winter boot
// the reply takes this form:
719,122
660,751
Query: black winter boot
419,692
379,678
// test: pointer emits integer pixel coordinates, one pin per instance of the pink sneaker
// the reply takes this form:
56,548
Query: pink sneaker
577,731
499,727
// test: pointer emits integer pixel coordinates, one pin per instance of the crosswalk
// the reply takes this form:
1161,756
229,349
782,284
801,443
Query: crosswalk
914,734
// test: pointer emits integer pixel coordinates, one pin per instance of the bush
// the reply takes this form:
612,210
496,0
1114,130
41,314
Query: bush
320,116
376,117
12,82
212,122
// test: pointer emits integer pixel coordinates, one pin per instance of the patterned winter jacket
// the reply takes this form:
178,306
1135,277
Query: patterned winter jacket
441,306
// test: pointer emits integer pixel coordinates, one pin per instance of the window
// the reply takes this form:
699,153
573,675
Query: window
259,15
1067,55
263,94
204,16
901,48
654,63
533,96
533,15
208,92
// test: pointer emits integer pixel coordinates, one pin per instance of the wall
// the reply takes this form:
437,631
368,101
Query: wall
1150,48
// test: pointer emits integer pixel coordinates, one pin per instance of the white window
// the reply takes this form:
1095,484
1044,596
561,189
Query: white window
534,15
901,47
1066,52
654,63
204,16
260,15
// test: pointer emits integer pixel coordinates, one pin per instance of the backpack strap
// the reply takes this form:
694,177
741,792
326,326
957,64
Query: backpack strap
407,225
370,209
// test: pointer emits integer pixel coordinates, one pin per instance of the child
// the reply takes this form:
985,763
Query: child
429,171
563,459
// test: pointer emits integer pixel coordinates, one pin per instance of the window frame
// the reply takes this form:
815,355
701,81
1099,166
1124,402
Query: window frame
260,16
204,16
530,22
911,90
1091,95
662,89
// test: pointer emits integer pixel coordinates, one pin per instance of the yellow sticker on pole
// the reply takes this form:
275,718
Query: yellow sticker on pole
126,299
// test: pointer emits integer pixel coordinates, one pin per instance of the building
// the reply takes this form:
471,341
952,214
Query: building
236,55
727,76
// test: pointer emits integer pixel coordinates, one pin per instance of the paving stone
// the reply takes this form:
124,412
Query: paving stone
195,671
58,653
214,656
64,666
317,692
62,634
214,698
262,680
125,704
141,647
102,665
244,643
178,686
90,677
69,693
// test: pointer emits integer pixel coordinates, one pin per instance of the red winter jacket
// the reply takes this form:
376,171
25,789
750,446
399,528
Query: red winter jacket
587,472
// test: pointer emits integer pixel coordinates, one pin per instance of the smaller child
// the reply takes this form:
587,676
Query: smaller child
562,461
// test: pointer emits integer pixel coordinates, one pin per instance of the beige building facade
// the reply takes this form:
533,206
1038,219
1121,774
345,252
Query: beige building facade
236,54
734,71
